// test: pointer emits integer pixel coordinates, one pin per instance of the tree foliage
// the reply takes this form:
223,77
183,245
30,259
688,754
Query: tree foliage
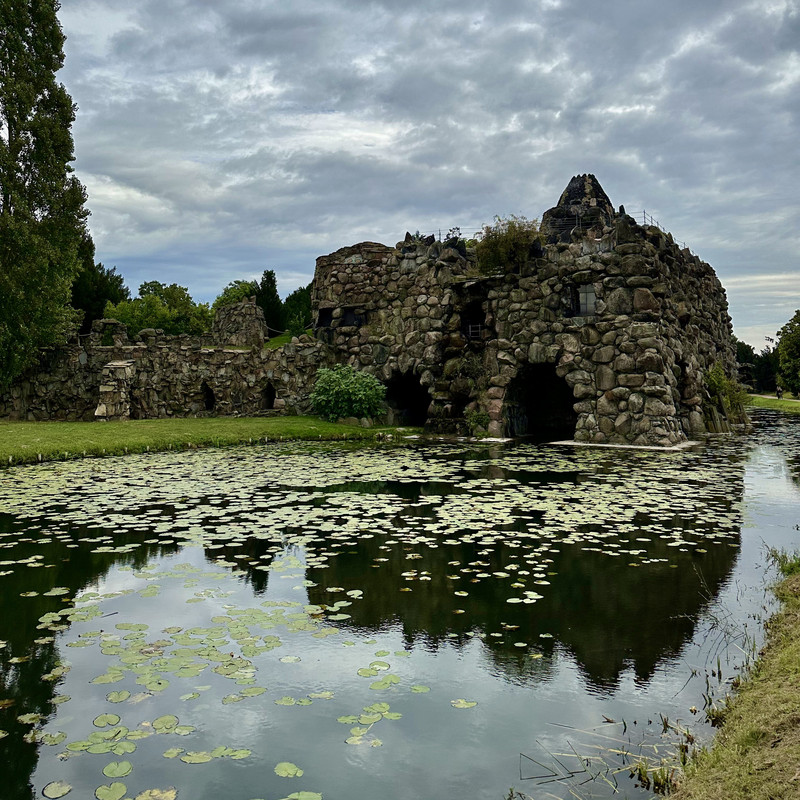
95,286
758,370
788,349
268,298
507,243
343,392
298,305
297,310
235,292
169,308
42,214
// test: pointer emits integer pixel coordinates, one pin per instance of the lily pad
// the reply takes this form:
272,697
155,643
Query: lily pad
196,757
285,769
419,689
114,791
462,703
118,697
103,720
165,724
56,789
117,769
158,794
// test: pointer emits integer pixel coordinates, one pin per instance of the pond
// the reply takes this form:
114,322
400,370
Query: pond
393,621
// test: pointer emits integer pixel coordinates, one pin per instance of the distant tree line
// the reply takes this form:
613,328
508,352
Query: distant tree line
778,364
171,308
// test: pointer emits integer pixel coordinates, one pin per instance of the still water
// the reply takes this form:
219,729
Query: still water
398,621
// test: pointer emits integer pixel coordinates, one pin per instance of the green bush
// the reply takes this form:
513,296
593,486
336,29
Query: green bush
477,421
295,326
727,394
506,243
343,392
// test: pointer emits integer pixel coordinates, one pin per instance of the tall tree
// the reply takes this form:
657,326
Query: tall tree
297,306
94,286
42,214
268,298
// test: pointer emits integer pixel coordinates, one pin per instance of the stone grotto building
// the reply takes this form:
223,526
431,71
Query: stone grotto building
602,332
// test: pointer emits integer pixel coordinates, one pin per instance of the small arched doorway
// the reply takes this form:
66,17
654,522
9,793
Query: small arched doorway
268,395
408,400
539,405
209,400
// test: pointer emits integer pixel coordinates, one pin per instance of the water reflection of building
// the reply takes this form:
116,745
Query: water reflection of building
609,615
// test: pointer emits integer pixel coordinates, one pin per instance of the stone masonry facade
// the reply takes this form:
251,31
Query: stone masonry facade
601,331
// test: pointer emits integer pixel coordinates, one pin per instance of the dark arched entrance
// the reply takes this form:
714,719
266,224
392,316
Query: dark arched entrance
408,400
209,400
539,404
268,397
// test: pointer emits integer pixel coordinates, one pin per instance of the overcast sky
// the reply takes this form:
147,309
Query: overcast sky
220,139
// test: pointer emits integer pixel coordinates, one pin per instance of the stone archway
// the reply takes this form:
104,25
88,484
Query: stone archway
408,400
539,404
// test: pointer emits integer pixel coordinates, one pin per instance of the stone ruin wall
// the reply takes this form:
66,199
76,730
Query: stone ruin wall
634,367
105,375
423,319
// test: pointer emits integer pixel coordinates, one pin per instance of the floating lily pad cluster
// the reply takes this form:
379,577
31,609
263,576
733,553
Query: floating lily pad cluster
510,511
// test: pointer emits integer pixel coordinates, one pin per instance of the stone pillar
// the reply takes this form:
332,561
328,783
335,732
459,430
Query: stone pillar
114,402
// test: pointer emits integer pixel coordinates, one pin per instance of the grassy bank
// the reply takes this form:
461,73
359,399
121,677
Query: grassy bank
756,754
760,401
22,442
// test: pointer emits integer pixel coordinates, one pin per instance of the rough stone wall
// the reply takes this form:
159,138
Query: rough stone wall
633,361
240,325
164,376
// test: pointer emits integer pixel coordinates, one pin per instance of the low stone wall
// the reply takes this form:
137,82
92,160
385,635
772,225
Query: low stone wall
166,378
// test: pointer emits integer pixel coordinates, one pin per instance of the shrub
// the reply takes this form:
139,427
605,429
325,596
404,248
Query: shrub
343,392
477,421
727,394
295,326
507,243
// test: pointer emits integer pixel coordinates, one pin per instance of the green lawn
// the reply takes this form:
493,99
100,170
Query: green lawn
760,401
48,441
756,754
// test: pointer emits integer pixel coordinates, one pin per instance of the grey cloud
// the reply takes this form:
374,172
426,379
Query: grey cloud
264,127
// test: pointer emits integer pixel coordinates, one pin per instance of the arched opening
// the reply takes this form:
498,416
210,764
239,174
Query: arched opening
268,397
539,404
473,321
209,400
408,400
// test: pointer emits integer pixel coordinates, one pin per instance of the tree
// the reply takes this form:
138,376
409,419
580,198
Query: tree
94,287
788,349
169,308
297,309
42,214
267,297
235,292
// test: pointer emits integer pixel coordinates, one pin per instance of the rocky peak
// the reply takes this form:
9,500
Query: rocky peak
583,204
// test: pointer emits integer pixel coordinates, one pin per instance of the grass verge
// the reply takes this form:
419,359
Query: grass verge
759,401
756,754
22,442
